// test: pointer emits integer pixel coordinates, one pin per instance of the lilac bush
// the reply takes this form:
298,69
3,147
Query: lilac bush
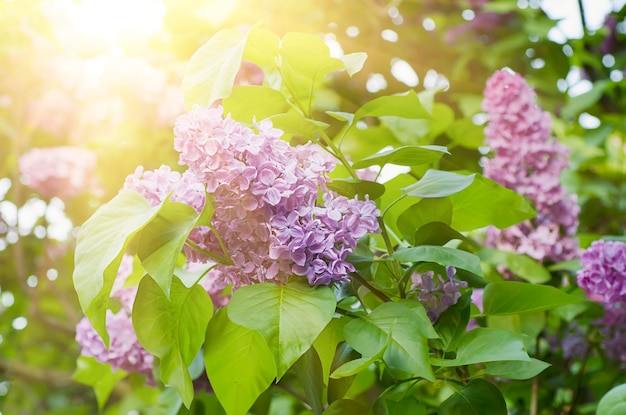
527,160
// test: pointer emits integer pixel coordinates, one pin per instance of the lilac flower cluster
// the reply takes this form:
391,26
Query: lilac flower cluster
603,278
64,172
527,160
269,218
437,294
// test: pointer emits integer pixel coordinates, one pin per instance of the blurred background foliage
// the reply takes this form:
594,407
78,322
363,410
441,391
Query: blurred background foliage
105,76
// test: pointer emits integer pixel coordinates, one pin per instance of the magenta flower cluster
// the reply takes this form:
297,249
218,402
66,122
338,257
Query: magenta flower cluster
270,220
64,172
437,293
527,160
603,279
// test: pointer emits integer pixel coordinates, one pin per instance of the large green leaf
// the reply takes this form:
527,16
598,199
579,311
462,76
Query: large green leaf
521,265
404,156
250,102
613,402
161,241
437,233
406,105
484,203
512,297
305,61
101,377
486,345
478,398
466,133
439,183
211,71
239,363
441,255
519,370
173,330
409,331
289,316
262,48
100,245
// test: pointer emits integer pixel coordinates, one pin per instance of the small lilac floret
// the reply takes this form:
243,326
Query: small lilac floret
437,294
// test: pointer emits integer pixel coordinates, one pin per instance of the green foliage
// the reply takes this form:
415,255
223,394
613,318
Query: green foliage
99,376
100,244
479,397
289,317
172,329
511,297
239,363
613,402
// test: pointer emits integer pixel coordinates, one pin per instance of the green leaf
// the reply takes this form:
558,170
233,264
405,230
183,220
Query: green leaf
289,316
347,407
404,406
355,366
437,233
576,105
101,377
439,183
406,105
519,370
452,323
250,102
467,134
512,297
305,61
239,363
100,245
326,343
486,345
262,48
293,123
613,402
161,241
409,331
404,156
441,255
353,62
521,265
486,203
422,213
352,187
478,398
173,330
309,371
211,71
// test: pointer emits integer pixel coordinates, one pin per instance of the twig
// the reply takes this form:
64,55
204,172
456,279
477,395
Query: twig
366,284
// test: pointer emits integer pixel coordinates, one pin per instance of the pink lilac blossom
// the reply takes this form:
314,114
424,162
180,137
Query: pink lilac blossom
477,299
437,293
64,172
268,213
526,160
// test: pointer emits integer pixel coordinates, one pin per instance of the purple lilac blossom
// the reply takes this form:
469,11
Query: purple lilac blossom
437,294
527,160
603,279
267,210
477,299
603,273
